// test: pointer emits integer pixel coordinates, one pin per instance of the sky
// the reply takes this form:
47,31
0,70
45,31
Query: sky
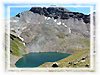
84,10
15,10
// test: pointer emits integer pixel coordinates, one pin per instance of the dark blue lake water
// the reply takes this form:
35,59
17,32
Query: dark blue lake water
36,59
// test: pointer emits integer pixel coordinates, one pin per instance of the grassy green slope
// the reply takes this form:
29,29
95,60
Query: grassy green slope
17,49
74,58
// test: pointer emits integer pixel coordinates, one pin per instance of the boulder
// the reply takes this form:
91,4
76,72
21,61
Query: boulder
55,65
87,65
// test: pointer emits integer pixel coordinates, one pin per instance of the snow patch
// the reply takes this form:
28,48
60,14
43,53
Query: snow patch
55,20
14,20
48,18
12,29
82,61
45,18
59,23
23,28
24,44
21,38
64,24
69,30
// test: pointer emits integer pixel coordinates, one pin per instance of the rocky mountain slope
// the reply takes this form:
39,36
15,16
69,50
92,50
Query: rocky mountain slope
52,29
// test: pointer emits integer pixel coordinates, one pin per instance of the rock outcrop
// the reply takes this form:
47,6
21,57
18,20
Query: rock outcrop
61,13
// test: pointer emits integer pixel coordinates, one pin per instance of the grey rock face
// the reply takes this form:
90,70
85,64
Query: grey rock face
52,29
61,13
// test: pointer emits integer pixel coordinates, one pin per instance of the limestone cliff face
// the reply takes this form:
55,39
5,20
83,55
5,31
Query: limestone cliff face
52,29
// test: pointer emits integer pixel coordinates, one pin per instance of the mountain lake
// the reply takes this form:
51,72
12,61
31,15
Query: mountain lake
36,59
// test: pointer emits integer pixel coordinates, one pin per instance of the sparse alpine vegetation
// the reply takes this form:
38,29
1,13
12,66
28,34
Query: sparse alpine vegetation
17,49
79,59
